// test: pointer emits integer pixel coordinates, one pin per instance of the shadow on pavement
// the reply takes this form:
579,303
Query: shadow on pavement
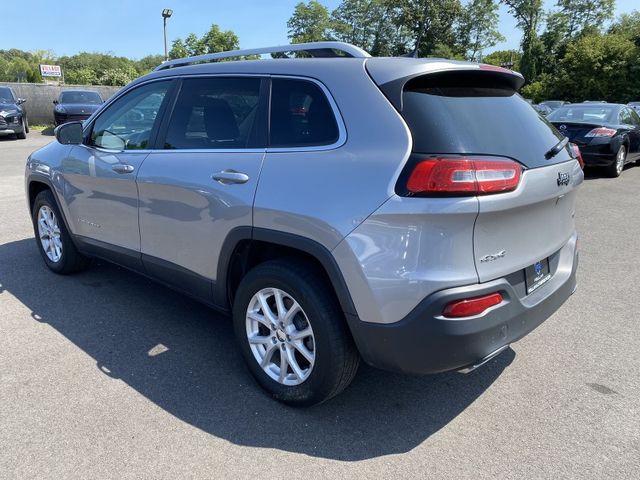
125,322
595,173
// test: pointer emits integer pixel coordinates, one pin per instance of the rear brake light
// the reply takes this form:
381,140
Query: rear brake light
602,132
575,150
470,307
464,176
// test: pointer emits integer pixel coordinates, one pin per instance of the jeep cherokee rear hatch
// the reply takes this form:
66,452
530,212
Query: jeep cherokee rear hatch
473,135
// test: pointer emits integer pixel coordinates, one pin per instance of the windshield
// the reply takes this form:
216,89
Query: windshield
90,98
6,95
583,113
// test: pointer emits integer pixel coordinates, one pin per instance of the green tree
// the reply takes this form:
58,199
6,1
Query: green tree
528,15
429,23
178,49
117,76
369,24
628,24
213,41
310,22
504,58
148,63
478,28
81,76
600,67
585,14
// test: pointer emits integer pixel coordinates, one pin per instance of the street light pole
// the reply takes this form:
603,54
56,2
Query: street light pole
166,13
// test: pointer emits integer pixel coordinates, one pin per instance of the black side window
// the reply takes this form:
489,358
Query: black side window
127,123
300,115
214,113
634,117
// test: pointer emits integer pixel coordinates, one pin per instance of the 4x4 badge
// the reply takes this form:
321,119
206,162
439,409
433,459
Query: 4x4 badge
563,179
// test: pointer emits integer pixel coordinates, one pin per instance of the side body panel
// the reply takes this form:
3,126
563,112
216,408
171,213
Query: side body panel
405,251
103,204
323,193
185,215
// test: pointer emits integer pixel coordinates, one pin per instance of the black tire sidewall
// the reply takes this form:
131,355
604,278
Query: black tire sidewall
318,386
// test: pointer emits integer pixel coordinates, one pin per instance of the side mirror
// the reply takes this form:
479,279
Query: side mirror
69,133
20,101
55,102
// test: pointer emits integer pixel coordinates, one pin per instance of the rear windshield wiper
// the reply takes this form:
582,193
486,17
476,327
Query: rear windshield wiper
553,151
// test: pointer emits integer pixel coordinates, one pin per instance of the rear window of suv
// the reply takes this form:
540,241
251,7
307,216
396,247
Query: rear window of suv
468,114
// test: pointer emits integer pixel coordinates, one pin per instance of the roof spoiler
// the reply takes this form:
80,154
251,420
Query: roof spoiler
445,73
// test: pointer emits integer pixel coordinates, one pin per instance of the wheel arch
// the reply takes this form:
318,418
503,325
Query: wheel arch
35,187
246,247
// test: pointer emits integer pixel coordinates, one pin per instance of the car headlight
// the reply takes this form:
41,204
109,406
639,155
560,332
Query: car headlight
8,113
60,109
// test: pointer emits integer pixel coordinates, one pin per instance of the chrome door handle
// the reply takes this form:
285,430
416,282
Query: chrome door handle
122,168
229,177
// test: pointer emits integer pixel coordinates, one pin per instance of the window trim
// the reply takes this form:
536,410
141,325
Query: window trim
342,131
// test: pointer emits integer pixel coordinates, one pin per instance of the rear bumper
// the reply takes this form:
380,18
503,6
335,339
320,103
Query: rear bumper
599,154
425,342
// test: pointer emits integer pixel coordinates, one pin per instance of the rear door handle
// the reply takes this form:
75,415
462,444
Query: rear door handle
122,168
229,177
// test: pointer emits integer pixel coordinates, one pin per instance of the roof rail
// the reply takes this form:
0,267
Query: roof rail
315,49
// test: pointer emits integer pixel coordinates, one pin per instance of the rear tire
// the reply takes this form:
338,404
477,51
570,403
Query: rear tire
52,237
615,169
320,356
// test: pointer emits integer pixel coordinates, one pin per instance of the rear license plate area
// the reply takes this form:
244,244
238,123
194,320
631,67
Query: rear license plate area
537,275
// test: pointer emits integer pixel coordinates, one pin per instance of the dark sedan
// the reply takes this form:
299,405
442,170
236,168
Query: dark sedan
74,105
13,116
607,134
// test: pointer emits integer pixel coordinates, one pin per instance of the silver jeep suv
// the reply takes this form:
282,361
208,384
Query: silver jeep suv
415,213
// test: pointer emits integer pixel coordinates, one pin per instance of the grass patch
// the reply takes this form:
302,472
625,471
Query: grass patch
39,128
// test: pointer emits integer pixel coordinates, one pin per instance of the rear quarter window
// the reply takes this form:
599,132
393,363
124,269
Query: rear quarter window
301,115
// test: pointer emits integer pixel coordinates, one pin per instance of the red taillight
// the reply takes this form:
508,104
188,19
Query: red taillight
469,307
464,176
602,132
576,154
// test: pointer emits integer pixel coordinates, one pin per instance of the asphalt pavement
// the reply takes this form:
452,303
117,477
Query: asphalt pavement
106,374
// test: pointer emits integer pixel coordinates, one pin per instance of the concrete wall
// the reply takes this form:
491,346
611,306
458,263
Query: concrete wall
40,98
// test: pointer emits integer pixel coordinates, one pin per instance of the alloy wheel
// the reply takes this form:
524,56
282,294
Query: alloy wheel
280,336
620,160
49,233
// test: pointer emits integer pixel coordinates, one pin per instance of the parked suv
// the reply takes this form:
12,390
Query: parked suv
13,115
414,213
75,105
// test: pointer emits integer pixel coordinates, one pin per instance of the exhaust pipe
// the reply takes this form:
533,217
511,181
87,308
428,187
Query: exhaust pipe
492,355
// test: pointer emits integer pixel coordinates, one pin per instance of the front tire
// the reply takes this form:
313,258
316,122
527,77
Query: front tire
615,169
25,123
52,237
293,334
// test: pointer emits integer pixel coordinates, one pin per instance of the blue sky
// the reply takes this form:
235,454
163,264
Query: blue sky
133,28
